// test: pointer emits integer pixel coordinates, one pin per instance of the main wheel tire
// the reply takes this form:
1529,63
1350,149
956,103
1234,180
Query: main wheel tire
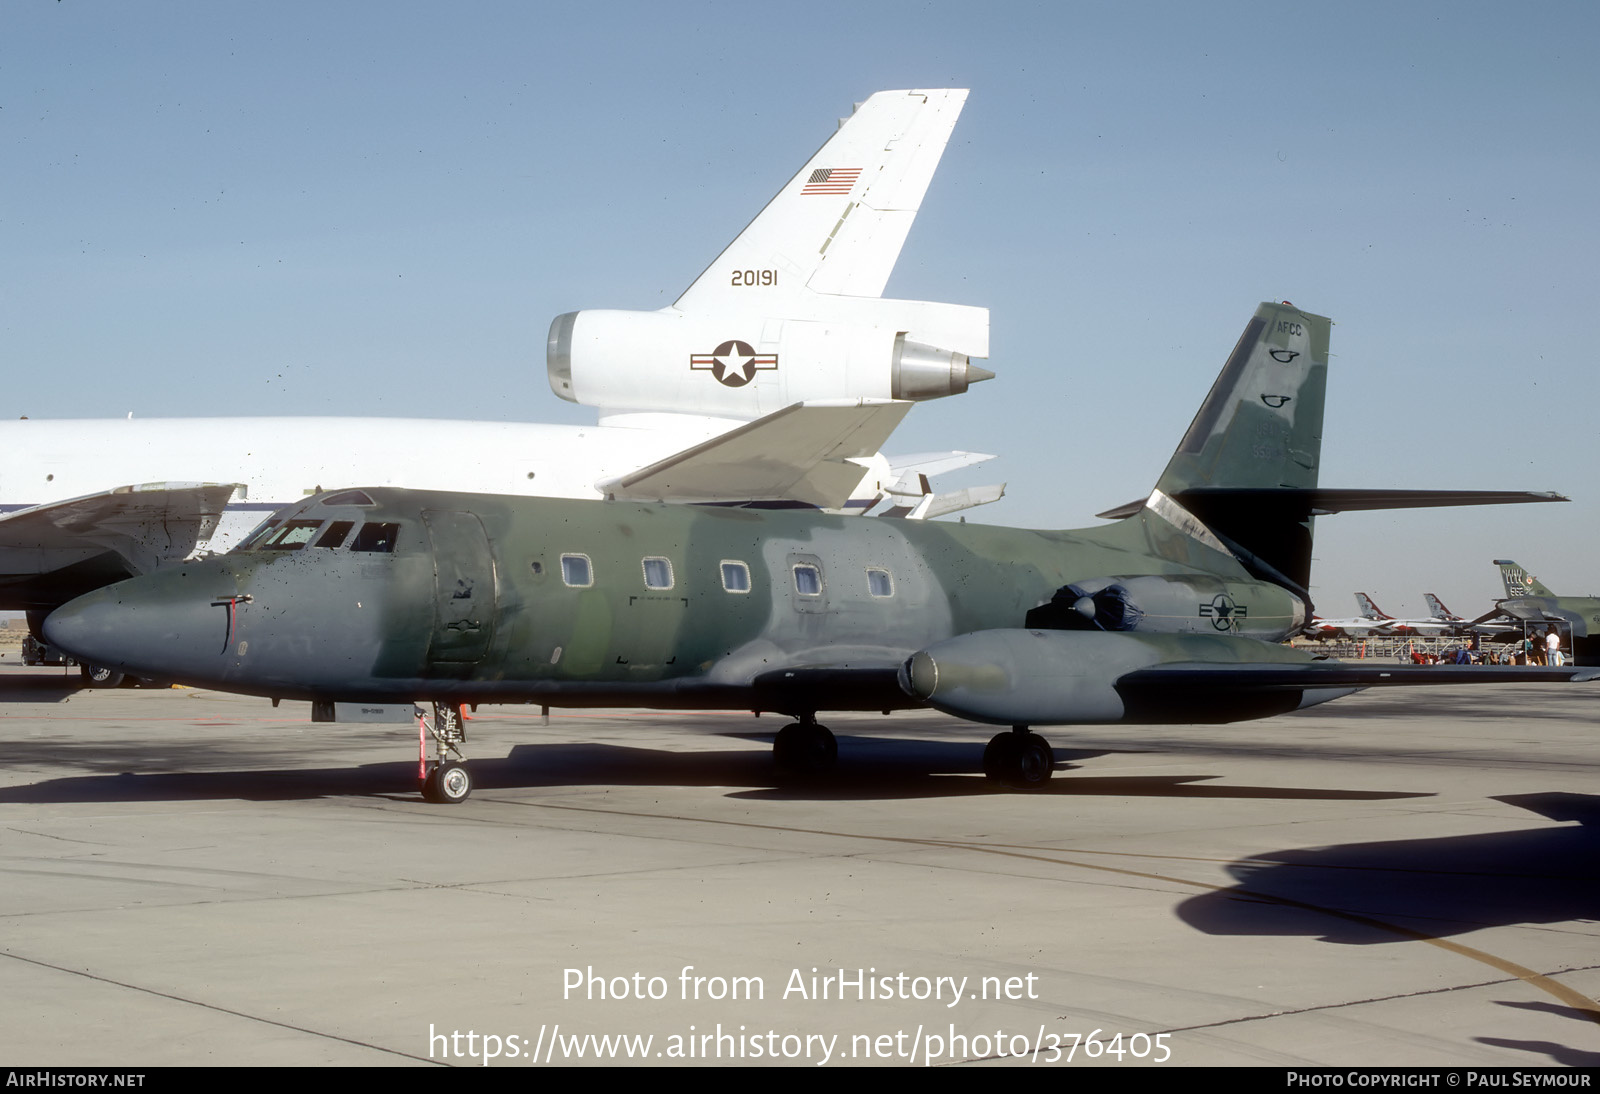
1022,760
802,749
1000,757
98,676
1036,762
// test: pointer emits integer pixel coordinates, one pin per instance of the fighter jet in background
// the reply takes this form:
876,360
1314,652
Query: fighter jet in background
1532,608
1401,627
1437,610
1173,615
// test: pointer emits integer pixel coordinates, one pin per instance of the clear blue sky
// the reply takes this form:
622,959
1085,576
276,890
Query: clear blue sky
377,208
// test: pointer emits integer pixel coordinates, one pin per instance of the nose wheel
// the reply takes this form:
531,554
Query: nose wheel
446,780
1021,758
447,784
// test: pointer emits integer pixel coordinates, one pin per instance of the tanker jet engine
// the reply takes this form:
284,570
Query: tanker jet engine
1172,615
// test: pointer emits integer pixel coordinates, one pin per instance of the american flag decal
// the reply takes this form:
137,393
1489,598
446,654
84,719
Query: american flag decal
831,180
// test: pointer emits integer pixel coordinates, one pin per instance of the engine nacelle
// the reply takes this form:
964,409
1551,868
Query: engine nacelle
1036,678
746,366
1172,604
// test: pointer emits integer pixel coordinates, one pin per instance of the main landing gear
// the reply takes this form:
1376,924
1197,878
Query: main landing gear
1020,758
805,748
98,676
446,781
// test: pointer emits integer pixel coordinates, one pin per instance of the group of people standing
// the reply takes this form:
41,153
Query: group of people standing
1543,649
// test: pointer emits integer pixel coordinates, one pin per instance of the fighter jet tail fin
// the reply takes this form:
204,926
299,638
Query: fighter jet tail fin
1370,610
1437,609
1518,581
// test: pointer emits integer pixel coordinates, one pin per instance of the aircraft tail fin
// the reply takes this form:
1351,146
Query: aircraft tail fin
1244,477
1437,609
1518,581
837,227
1246,469
1261,424
1370,610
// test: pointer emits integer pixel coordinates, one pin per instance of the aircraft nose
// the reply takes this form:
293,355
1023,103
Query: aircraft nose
133,627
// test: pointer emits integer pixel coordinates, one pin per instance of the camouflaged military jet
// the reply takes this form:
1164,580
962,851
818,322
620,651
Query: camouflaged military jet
1534,610
1173,614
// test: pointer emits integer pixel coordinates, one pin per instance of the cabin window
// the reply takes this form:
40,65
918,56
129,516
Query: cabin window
291,535
657,573
335,534
377,536
735,577
879,582
807,580
575,571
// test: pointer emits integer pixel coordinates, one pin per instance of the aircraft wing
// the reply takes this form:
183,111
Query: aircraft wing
801,453
54,552
838,226
146,525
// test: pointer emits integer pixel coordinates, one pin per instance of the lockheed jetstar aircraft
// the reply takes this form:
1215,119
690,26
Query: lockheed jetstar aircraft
776,377
1174,614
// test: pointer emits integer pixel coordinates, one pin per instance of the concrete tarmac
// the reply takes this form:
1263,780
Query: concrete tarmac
1396,878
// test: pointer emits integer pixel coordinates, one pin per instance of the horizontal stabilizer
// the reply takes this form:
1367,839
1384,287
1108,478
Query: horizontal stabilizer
940,505
932,464
1320,502
147,525
801,453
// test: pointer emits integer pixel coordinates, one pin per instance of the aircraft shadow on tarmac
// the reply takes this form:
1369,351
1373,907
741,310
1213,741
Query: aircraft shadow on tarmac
1434,887
1563,1055
869,770
40,689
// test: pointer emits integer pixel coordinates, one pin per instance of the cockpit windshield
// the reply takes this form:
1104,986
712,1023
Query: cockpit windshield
291,535
277,534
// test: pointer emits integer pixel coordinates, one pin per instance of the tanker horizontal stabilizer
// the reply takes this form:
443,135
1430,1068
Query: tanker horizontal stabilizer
802,453
933,505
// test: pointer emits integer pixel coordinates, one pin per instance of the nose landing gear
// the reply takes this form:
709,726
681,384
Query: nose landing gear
446,781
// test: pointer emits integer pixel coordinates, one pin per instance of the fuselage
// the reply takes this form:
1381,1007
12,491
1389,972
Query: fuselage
401,595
